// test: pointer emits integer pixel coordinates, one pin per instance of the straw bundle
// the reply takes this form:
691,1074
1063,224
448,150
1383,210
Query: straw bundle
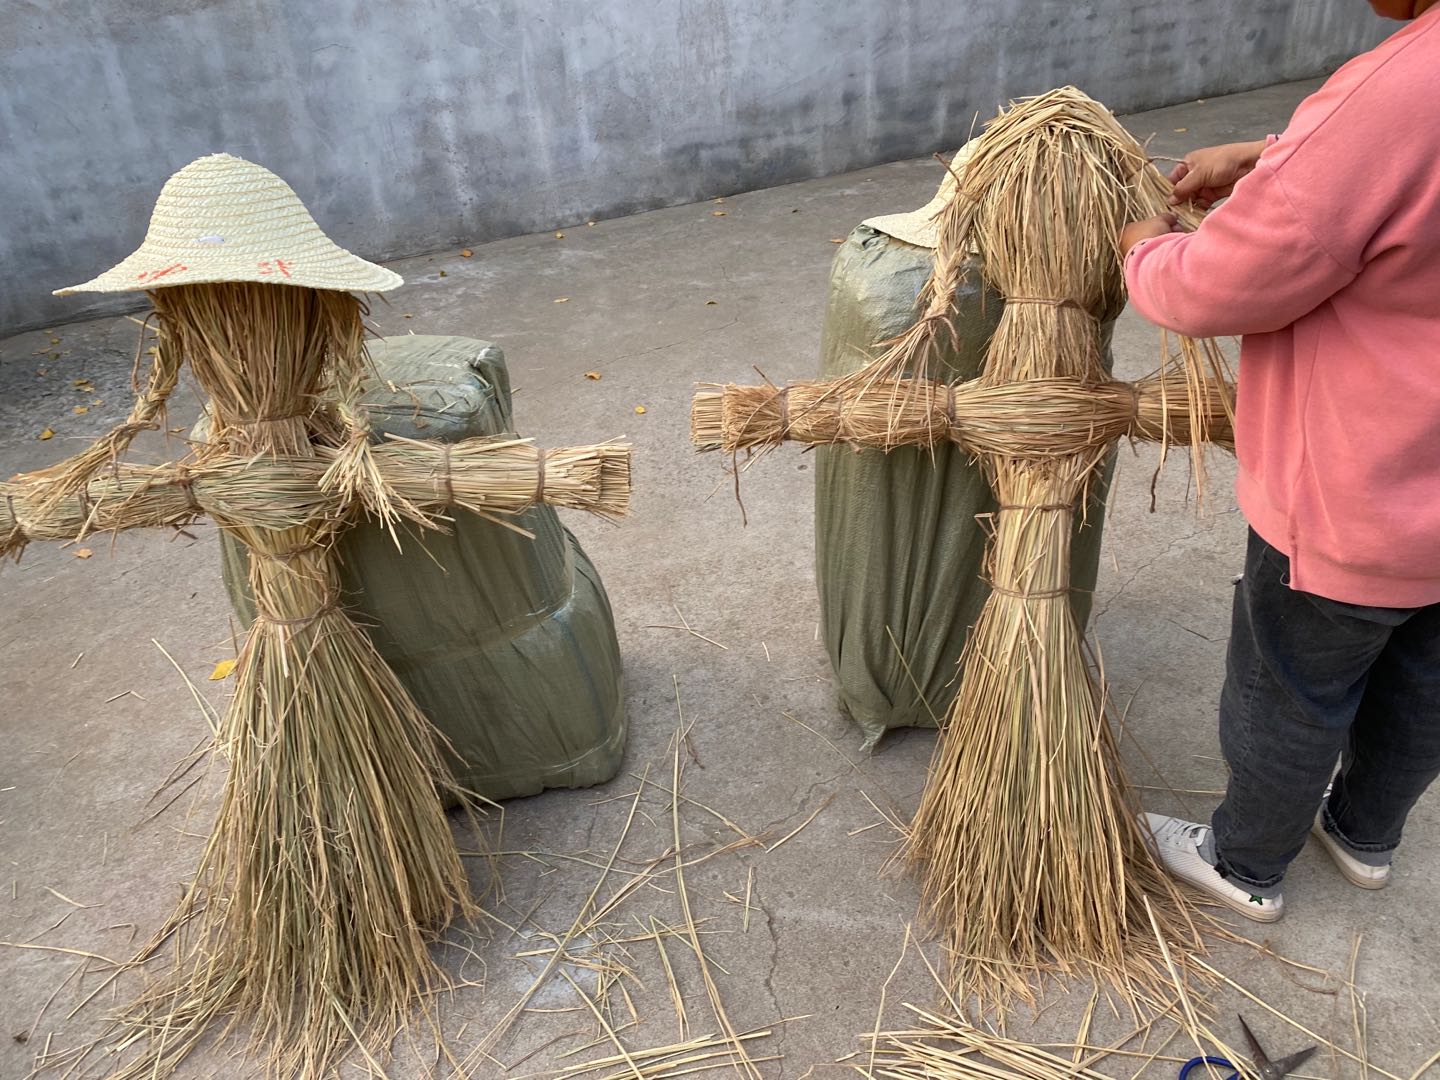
1025,841
1036,418
331,867
484,476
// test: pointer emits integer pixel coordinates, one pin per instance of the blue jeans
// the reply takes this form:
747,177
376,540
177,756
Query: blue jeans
1310,681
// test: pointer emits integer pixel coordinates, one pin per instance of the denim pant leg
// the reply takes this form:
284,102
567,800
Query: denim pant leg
1297,670
1394,749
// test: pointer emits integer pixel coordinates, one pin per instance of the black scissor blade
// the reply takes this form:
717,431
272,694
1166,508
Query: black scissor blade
1285,1066
1257,1052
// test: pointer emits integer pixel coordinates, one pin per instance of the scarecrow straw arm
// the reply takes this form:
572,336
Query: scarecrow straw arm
274,493
1035,418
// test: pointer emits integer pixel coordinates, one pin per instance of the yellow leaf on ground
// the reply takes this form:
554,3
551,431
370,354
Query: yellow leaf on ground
222,670
83,553
717,213
465,253
562,299
710,302
559,236
407,316
720,199
1181,131
589,224
640,409
837,240
82,408
46,434
593,376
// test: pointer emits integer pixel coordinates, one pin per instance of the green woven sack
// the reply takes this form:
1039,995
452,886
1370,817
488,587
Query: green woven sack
899,552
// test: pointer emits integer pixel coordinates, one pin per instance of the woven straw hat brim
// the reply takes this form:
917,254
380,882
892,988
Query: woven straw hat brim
223,219
922,227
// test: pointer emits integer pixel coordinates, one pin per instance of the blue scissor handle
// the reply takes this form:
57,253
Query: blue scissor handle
1195,1063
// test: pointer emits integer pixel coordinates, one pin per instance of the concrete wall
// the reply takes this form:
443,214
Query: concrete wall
412,125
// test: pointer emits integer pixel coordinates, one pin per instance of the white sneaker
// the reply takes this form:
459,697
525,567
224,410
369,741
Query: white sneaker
1355,871
1176,844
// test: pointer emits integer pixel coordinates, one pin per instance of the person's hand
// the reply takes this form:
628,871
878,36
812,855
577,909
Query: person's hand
1206,176
1149,229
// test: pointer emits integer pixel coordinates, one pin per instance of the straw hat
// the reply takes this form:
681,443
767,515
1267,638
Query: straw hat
921,227
225,219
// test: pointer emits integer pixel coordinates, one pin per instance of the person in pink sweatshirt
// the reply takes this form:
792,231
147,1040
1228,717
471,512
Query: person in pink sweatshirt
1324,255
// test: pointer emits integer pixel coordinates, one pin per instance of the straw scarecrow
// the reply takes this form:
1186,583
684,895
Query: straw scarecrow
1026,841
331,868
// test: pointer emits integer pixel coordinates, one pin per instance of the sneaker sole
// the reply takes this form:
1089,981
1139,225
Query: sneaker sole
1240,907
1350,875
1250,912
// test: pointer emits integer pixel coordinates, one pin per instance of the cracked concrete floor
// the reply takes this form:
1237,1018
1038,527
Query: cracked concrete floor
93,714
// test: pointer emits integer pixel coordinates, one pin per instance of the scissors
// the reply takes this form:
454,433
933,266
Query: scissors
1263,1068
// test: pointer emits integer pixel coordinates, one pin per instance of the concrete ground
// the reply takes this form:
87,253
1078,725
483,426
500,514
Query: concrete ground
94,715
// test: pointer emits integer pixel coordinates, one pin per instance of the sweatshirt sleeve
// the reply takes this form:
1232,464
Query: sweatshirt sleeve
1254,266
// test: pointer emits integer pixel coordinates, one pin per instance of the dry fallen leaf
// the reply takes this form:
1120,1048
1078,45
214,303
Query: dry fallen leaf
589,224
46,434
407,316
82,409
562,299
640,409
82,383
222,670
559,236
593,376
717,213
83,553
708,303
176,430
465,253
54,341
720,199
1181,131
837,240
442,273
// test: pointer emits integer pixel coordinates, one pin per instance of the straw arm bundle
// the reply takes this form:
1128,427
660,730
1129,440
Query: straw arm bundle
1036,418
274,493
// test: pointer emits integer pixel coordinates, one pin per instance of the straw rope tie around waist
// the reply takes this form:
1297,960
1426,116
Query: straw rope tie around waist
1044,594
284,556
333,604
1050,301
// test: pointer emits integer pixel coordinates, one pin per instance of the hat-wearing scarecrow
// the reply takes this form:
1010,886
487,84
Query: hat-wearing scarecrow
331,868
1029,853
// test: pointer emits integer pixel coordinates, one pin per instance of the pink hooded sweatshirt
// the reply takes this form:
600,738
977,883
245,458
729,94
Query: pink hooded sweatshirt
1327,259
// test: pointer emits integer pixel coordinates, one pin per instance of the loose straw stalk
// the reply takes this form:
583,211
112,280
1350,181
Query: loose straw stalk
331,867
